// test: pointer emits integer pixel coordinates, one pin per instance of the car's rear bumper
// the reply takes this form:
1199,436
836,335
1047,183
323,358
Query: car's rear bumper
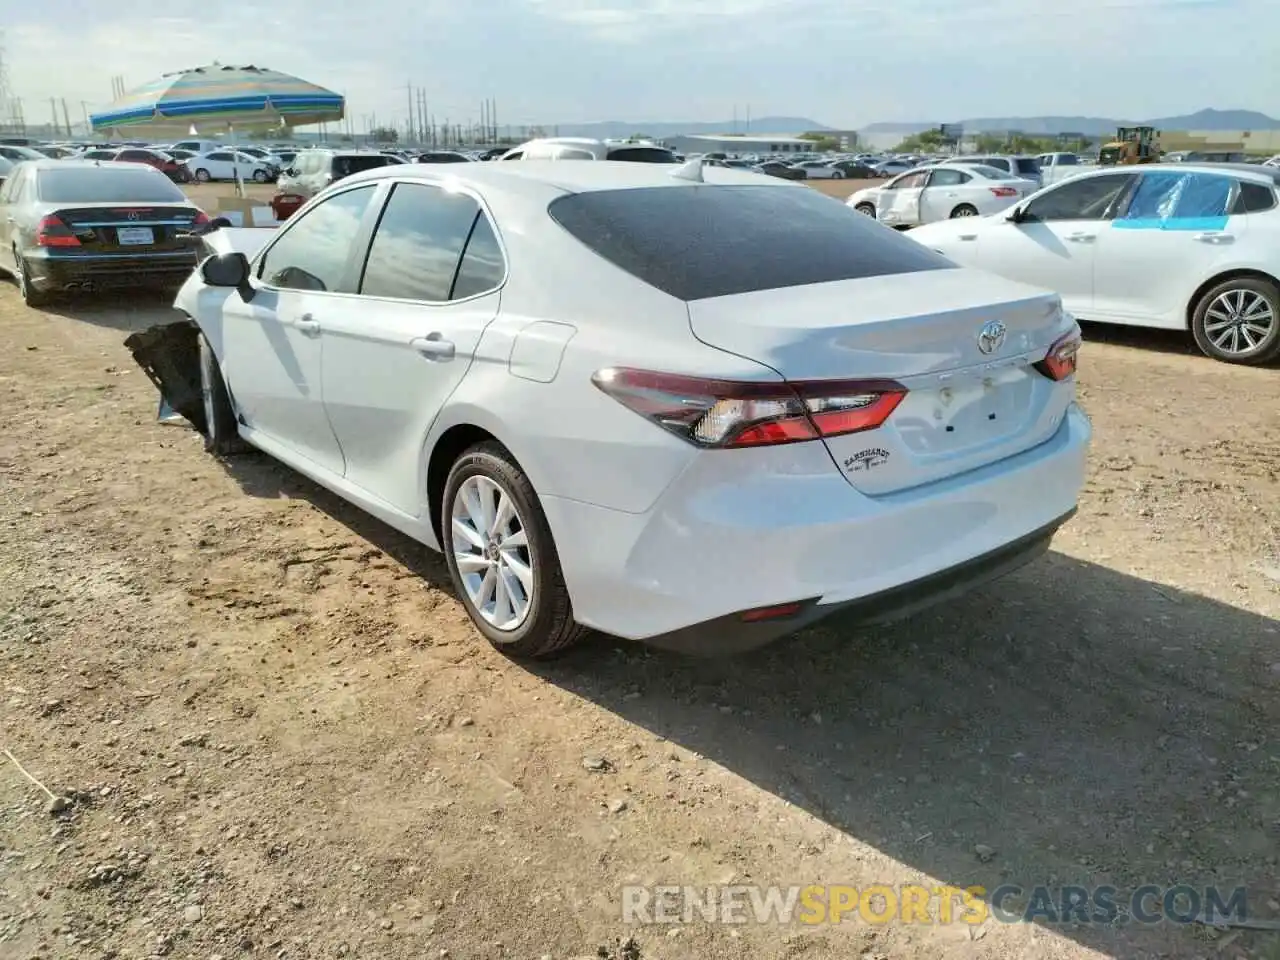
779,526
61,271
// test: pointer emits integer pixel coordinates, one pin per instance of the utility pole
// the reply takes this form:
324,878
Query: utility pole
88,125
57,127
66,118
409,90
493,118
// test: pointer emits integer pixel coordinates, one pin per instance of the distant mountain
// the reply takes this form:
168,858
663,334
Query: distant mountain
605,129
1095,126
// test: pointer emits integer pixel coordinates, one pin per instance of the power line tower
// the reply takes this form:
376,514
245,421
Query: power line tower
8,105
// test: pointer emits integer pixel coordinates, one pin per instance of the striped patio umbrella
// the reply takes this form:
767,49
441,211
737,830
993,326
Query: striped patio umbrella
216,99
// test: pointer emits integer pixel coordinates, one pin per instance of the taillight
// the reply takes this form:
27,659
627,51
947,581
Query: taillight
1060,362
53,232
727,413
1003,191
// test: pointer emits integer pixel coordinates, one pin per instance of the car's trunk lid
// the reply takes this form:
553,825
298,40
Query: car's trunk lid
129,228
966,406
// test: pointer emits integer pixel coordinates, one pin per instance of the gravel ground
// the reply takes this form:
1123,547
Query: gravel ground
273,733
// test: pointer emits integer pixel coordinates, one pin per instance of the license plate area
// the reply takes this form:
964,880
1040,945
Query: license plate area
965,415
135,236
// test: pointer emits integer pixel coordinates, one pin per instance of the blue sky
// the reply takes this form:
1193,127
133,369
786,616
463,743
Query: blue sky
839,62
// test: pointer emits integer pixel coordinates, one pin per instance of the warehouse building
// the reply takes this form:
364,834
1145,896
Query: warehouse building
739,145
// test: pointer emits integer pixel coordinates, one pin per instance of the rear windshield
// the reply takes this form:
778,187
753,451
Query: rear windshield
713,241
991,173
642,155
121,184
346,166
1027,165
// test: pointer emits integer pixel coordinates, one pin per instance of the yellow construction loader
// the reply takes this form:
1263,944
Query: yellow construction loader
1131,145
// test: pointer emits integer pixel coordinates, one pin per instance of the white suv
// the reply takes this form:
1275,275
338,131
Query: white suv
584,148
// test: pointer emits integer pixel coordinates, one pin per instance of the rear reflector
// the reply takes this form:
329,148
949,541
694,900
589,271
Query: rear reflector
1060,362
53,232
776,612
723,414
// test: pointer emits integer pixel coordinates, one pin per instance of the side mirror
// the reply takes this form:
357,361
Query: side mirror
1015,215
290,172
228,270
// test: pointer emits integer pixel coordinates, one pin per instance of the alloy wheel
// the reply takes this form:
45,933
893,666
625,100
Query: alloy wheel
1237,321
491,550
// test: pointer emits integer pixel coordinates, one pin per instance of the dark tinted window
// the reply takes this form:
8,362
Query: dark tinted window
107,185
419,240
1026,165
136,155
642,155
346,166
1253,198
714,241
312,254
220,155
1087,198
482,266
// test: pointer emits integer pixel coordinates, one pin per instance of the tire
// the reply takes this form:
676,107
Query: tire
546,626
30,295
964,210
1219,321
260,176
837,175
203,175
866,208
221,435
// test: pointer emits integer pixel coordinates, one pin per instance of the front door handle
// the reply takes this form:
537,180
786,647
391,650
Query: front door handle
307,324
1082,237
1214,238
434,347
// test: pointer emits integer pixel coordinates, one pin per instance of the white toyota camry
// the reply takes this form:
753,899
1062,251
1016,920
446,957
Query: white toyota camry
1178,246
940,192
693,407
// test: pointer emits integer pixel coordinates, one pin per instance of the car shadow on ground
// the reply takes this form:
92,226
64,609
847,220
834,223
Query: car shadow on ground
1142,338
1088,727
128,310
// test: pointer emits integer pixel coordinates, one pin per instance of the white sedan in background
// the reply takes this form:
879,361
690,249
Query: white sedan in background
763,385
1178,246
941,191
224,164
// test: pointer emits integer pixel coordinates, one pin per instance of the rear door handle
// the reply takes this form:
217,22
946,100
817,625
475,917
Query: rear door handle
434,347
1214,238
307,324
1082,237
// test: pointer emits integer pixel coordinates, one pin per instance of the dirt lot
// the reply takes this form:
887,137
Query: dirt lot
279,737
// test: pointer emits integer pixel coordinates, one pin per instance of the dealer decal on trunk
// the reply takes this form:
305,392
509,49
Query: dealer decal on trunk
866,459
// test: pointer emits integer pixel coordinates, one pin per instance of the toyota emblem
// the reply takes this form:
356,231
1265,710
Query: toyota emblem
991,336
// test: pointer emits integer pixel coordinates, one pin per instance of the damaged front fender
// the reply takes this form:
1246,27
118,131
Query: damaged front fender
169,354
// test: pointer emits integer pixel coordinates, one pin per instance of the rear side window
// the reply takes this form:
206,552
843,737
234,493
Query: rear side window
716,241
642,155
418,243
1253,198
482,267
1000,163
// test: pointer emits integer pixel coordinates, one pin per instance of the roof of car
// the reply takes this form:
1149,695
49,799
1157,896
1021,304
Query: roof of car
571,176
1271,174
